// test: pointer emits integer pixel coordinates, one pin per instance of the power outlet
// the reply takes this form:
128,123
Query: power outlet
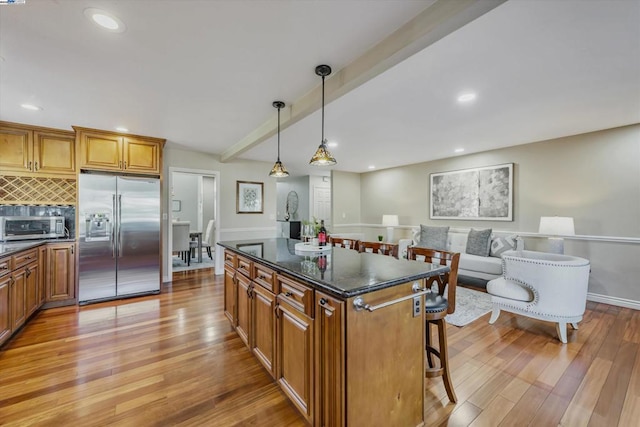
417,306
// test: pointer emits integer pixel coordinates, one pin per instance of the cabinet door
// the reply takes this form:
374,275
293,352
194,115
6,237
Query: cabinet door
244,308
42,259
32,277
54,153
230,294
61,272
5,308
264,331
141,156
330,356
16,147
100,151
17,292
294,366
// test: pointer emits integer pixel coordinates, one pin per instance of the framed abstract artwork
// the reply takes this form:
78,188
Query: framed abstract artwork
249,196
484,193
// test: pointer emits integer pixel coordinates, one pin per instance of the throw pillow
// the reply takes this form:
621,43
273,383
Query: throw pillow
479,242
433,237
499,245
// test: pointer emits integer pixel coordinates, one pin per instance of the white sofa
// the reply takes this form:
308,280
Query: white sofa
473,269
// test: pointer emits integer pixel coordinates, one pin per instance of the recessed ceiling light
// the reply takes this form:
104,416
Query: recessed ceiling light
122,129
332,144
31,107
467,97
459,150
105,20
372,167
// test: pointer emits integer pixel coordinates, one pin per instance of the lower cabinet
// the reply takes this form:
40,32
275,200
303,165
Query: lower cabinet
32,278
42,260
18,293
5,304
60,277
230,294
294,355
330,360
264,328
243,308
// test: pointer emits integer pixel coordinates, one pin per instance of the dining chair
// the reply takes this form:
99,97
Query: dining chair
437,306
343,243
180,241
390,249
206,242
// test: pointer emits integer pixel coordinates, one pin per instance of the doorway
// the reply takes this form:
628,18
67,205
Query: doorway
194,197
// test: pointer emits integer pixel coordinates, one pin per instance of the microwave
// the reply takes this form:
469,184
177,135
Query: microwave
31,227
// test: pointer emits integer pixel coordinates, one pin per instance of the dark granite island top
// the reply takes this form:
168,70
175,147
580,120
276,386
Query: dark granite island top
348,273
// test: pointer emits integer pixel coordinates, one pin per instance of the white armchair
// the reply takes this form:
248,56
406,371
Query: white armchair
541,285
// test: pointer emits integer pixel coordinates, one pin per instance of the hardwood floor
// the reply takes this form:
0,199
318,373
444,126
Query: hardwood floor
172,359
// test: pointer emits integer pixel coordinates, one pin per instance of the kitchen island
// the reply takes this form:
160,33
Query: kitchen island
341,332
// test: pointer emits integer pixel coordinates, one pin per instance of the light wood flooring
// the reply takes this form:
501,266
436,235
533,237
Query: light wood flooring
173,359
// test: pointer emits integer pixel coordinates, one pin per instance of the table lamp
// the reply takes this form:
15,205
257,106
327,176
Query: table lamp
555,226
390,221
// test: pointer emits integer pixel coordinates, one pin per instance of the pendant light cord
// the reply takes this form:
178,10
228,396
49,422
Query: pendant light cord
278,133
322,140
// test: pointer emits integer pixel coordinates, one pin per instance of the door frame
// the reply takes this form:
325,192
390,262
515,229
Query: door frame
168,267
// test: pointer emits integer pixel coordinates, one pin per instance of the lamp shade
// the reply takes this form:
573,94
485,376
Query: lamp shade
556,226
390,220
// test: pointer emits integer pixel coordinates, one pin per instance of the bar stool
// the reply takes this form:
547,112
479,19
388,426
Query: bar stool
343,243
390,249
437,306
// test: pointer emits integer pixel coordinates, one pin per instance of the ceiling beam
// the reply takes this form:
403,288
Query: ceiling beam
440,19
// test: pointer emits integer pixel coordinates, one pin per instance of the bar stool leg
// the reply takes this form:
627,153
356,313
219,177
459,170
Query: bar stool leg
444,359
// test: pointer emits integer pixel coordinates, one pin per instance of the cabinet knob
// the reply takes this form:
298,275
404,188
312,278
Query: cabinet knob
36,168
288,294
323,301
28,272
4,267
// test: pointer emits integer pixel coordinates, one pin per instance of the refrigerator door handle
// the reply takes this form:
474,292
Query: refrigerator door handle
113,227
119,225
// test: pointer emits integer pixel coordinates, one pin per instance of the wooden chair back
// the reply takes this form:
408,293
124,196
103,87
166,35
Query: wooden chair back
433,256
389,249
343,242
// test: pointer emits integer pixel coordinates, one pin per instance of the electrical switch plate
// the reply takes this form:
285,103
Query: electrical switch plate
417,306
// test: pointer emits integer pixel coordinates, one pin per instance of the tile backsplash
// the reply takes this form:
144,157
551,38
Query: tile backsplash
68,212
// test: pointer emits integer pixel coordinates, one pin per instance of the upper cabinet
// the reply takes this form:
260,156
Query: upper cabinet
110,151
31,150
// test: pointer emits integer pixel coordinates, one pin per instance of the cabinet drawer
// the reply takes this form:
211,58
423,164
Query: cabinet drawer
230,259
5,266
264,277
24,258
296,294
244,266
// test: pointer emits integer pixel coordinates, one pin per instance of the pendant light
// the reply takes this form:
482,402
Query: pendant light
278,170
323,157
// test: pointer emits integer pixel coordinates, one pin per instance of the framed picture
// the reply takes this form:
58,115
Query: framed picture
176,206
249,196
484,193
254,249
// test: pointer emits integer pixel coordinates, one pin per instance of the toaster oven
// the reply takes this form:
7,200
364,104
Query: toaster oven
31,227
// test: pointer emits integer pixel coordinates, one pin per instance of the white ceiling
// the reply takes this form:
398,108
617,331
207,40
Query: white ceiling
203,74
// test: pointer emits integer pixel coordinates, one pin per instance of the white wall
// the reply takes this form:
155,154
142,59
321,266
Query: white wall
594,178
301,186
185,189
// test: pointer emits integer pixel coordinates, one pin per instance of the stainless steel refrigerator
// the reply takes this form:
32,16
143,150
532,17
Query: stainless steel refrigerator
119,231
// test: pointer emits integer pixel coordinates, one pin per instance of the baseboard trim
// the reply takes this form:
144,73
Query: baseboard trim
620,302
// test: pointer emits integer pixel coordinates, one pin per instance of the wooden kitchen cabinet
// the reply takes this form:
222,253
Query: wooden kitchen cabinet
264,329
110,151
5,299
243,308
295,345
230,294
32,150
18,295
42,260
330,357
32,274
60,277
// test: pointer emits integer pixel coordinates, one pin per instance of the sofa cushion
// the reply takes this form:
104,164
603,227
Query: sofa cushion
481,264
479,242
499,245
433,237
509,289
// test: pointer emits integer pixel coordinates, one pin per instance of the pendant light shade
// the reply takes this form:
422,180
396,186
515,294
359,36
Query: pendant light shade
323,157
278,170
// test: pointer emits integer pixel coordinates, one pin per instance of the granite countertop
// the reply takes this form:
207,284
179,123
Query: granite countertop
10,248
347,274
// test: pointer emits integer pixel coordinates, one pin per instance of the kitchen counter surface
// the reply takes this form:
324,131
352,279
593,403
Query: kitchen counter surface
9,248
346,274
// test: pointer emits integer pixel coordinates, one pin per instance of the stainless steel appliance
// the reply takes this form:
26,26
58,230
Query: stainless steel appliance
31,227
119,232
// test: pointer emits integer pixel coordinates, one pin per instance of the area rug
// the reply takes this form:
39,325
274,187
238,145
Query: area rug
179,265
470,305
